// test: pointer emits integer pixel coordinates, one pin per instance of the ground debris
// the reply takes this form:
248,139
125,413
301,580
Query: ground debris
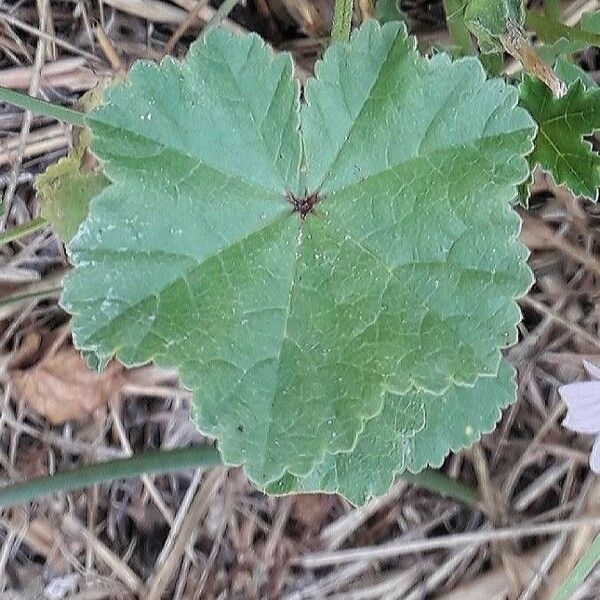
59,385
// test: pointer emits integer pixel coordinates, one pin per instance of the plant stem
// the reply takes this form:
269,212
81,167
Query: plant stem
159,461
18,298
342,20
49,286
221,13
55,111
15,233
582,569
457,27
436,481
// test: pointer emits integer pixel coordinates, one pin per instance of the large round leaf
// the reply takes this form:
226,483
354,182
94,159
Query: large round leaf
299,265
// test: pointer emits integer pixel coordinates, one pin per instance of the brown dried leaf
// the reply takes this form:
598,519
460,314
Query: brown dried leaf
61,387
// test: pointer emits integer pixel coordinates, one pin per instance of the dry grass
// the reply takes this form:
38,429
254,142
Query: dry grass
210,535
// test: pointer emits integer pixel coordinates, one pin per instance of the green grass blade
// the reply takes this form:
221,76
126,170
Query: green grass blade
42,107
221,13
37,294
439,483
582,569
159,461
10,235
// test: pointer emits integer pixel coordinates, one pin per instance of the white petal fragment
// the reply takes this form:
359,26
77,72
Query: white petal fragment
581,395
595,456
592,370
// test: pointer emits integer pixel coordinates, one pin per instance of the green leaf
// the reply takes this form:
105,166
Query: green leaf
562,40
562,47
389,10
590,22
487,20
587,33
292,325
562,122
454,420
66,188
65,191
570,72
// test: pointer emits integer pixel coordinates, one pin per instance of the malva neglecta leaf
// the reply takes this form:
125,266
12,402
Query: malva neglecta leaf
459,418
565,41
66,188
562,123
389,445
65,191
487,19
300,263
569,72
389,10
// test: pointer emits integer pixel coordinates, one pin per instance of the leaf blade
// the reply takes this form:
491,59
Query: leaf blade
66,192
385,450
213,87
292,328
559,145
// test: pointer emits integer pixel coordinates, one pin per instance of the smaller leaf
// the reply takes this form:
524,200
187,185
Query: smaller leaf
562,41
67,187
65,190
560,48
487,20
562,123
570,72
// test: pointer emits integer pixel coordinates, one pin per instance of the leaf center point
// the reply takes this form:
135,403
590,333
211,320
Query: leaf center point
304,204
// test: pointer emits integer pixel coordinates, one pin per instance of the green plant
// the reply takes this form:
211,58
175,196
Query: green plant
562,123
582,569
335,278
302,285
